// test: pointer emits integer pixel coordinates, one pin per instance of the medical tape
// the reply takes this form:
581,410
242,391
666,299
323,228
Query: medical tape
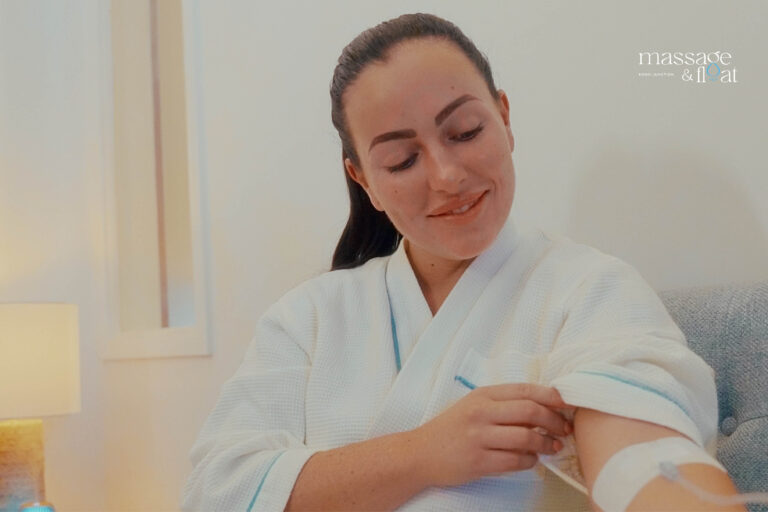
631,468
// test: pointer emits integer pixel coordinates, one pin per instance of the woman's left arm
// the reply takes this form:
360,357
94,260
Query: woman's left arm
624,363
599,435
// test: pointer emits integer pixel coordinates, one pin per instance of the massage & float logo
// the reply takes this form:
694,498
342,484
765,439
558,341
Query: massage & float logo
697,67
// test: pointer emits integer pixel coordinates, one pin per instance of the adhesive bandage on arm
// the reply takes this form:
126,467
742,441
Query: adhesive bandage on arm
631,468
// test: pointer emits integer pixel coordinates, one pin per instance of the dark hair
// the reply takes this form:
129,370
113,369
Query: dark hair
369,232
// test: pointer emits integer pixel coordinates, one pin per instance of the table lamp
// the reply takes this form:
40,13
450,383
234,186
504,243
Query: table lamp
39,376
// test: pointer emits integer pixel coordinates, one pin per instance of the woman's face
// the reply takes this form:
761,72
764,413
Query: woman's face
431,139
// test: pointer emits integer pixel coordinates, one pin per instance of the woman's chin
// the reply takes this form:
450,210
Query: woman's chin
469,249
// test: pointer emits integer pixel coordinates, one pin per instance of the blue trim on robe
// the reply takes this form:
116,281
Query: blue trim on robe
250,506
464,381
638,385
394,338
394,330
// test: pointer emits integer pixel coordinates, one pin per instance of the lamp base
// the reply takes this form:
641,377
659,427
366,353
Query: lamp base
22,470
37,506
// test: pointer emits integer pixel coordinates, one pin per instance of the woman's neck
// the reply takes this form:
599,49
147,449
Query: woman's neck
436,276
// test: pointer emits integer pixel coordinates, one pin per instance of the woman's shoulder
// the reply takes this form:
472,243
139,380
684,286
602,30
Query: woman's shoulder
330,299
572,263
563,250
334,285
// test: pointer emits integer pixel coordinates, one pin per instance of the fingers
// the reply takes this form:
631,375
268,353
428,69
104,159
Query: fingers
502,461
525,390
504,437
527,413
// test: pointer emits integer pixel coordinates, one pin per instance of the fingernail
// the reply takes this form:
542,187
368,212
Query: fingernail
557,445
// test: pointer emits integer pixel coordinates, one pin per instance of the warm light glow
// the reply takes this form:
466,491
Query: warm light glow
22,466
39,360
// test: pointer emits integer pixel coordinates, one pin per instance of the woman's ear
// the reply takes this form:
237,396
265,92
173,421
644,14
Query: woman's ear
503,103
359,178
504,110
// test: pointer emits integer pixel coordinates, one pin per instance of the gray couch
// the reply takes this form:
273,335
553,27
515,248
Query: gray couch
728,327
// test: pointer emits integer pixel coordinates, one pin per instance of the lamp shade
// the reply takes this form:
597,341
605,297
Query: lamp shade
39,360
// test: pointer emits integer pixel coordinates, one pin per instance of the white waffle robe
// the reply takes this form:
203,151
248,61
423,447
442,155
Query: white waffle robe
322,370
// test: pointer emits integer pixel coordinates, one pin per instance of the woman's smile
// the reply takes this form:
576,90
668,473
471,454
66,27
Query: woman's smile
456,205
467,213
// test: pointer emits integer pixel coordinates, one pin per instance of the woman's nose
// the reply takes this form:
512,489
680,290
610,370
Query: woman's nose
445,172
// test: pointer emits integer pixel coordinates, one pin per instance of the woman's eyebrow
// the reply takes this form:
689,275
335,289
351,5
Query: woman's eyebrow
439,118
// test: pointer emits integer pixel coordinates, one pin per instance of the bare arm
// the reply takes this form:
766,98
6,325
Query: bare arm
488,431
376,474
600,435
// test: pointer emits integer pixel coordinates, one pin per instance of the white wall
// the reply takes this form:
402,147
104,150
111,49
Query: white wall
669,176
51,229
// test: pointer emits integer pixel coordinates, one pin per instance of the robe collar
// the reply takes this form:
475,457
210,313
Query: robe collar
410,313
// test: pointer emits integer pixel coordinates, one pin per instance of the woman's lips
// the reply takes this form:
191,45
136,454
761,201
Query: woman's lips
465,210
457,205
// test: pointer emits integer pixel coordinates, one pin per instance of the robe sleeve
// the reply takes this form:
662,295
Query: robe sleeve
251,448
619,351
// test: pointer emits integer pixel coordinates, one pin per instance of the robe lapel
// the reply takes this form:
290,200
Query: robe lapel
409,307
425,341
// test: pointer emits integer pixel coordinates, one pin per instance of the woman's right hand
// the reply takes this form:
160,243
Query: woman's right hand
491,431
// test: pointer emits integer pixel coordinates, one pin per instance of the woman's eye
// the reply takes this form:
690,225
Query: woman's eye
469,135
403,165
464,137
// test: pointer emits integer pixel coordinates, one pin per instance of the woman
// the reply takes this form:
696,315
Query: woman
442,359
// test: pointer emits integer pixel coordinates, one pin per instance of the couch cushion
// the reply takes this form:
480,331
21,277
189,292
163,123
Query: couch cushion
728,327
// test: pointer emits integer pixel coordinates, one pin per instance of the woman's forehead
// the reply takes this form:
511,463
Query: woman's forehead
414,69
418,79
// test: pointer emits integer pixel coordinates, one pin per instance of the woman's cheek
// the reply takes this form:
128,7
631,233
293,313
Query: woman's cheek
492,154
